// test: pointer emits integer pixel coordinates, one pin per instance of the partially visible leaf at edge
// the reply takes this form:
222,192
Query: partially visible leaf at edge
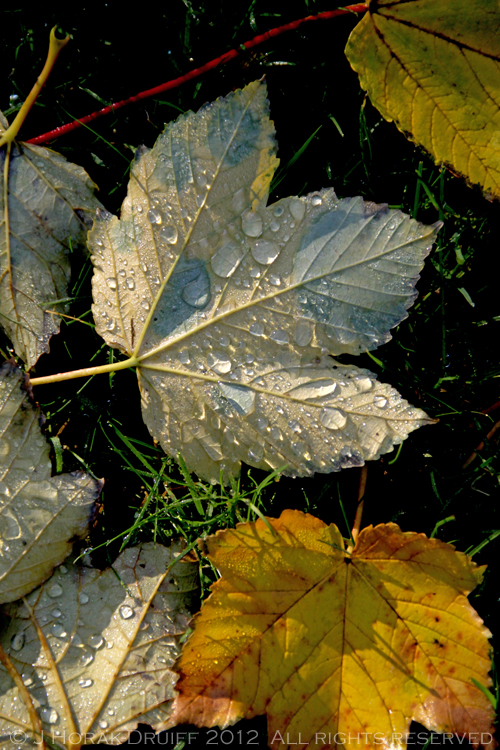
230,307
434,68
94,649
332,645
46,204
40,515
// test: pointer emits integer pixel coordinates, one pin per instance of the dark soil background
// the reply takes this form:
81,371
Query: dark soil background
444,358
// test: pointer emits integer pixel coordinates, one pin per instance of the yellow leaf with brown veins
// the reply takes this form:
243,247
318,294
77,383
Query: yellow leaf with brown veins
434,68
331,644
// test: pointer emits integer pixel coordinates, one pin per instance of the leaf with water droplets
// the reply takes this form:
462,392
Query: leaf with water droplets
337,644
40,515
235,305
100,662
46,208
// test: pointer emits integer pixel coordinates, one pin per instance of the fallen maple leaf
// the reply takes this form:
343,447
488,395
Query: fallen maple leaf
40,515
88,655
434,69
227,307
46,209
333,645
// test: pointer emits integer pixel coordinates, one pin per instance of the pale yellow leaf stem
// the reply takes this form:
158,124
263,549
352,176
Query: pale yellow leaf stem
55,46
6,167
86,372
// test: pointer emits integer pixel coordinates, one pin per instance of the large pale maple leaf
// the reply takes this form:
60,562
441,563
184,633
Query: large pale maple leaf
333,645
228,307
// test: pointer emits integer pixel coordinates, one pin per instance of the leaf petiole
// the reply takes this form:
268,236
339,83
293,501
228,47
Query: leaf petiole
86,372
55,46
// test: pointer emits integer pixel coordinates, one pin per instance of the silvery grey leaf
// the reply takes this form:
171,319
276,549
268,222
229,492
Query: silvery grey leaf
230,307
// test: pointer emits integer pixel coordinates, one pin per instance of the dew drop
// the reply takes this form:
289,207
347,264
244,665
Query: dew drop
242,399
332,419
26,680
274,279
111,282
55,591
96,641
58,630
265,252
86,659
280,337
169,234
219,362
197,292
103,724
224,341
130,283
184,357
303,333
227,259
83,598
279,210
256,453
251,223
276,433
297,209
126,612
262,423
295,426
145,304
257,329
364,384
274,226
49,715
85,683
314,389
301,449
17,641
316,200
154,216
380,402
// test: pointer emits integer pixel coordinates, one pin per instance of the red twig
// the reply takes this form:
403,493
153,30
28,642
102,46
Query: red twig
225,58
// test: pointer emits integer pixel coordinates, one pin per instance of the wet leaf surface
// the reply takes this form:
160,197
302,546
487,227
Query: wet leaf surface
40,515
88,654
229,306
46,208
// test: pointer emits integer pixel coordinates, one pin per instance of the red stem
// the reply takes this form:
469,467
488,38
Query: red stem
226,57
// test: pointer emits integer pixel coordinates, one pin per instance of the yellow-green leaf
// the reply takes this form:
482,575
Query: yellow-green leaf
434,68
328,643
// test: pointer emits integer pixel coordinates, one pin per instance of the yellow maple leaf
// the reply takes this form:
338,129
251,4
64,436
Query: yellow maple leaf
337,648
434,68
